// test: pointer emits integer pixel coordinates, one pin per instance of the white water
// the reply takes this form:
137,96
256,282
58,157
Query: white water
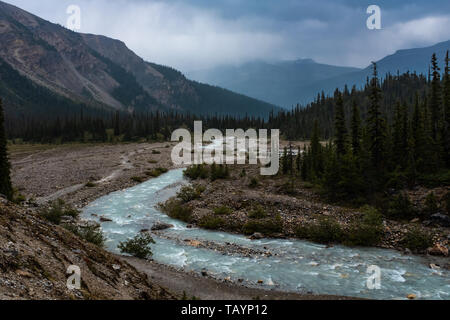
297,266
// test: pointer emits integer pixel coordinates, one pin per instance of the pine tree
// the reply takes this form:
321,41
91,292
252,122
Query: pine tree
376,129
341,128
356,130
5,168
446,133
435,100
418,134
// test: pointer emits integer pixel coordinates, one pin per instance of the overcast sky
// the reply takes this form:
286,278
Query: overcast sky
197,34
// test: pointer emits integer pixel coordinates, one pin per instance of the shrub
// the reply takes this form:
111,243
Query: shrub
195,172
137,179
447,202
90,184
257,213
268,227
417,240
175,209
156,152
367,232
57,210
253,183
92,234
138,247
156,172
223,210
219,172
152,161
326,230
212,223
430,205
189,193
400,207
243,173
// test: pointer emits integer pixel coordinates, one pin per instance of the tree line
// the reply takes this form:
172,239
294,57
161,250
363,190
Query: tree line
390,149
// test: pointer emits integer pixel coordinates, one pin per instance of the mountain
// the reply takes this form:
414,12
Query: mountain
412,60
292,82
47,68
276,82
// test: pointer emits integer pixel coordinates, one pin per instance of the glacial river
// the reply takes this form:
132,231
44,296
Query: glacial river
295,265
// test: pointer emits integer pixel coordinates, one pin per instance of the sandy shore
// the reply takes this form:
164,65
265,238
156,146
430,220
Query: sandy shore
46,173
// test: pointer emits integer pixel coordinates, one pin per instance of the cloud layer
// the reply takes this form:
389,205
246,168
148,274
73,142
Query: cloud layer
197,34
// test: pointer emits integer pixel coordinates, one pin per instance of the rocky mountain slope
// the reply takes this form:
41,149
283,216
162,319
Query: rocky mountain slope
35,255
96,72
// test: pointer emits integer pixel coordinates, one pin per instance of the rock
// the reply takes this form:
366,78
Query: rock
415,220
161,226
438,250
116,267
23,273
89,224
441,219
240,280
407,251
104,219
411,296
256,236
434,266
204,273
189,226
144,231
67,219
260,282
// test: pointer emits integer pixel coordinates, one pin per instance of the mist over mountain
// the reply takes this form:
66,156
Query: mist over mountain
291,82
47,68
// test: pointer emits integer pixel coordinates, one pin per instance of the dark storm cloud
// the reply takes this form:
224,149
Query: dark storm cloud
196,34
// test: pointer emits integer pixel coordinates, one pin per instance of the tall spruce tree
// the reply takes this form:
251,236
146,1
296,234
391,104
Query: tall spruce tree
5,179
356,129
377,130
446,134
341,128
435,101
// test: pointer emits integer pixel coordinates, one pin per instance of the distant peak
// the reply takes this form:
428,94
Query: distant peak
305,61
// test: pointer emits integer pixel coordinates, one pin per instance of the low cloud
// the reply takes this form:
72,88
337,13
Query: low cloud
199,34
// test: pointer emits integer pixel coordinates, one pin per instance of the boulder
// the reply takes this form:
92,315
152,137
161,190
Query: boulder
441,219
411,296
438,250
104,219
256,236
161,226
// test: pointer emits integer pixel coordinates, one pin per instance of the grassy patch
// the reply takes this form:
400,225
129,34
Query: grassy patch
267,226
92,234
417,240
257,213
57,210
325,230
223,210
210,222
189,193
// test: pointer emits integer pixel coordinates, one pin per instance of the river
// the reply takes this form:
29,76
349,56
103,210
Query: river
295,265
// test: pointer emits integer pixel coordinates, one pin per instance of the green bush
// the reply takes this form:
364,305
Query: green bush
257,213
138,247
57,210
400,207
156,172
219,172
367,232
223,210
92,234
243,173
90,184
189,193
267,227
326,230
431,205
417,240
198,171
253,183
137,179
210,222
175,209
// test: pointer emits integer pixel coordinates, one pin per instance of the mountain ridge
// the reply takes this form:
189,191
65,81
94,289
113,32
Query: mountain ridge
98,72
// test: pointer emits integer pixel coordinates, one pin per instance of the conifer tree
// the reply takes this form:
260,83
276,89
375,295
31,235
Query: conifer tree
446,133
5,168
356,129
341,128
376,128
